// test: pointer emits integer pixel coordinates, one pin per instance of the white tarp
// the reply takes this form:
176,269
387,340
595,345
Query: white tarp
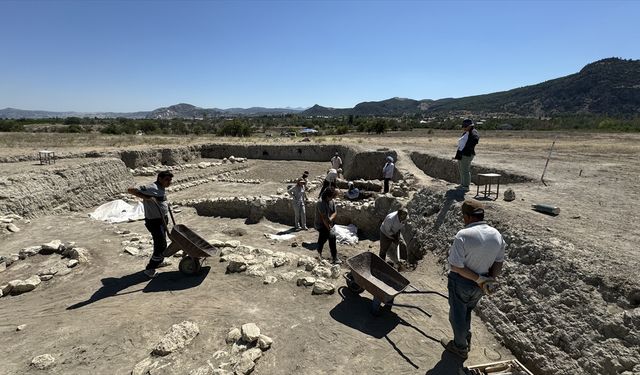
347,235
279,237
118,211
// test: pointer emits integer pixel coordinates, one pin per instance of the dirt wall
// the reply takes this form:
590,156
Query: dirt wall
447,169
556,314
57,189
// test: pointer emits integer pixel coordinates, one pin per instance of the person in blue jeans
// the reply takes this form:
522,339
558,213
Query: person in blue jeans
475,261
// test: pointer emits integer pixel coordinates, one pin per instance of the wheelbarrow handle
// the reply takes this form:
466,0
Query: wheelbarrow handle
417,291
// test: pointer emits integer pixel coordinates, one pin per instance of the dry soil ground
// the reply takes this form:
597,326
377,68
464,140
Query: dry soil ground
120,315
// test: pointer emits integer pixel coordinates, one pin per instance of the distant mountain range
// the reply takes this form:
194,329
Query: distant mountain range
606,87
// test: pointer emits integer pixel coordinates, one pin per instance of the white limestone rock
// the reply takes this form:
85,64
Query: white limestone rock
269,280
264,342
13,228
323,287
72,263
336,270
307,262
29,252
253,354
46,277
179,336
21,327
250,332
256,270
306,281
288,276
55,246
43,362
321,271
233,336
244,366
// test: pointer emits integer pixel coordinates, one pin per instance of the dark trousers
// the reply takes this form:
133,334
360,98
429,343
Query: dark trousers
386,185
325,234
158,232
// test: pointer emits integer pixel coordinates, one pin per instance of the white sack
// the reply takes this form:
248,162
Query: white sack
118,211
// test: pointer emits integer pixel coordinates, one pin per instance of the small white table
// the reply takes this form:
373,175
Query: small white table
47,157
487,180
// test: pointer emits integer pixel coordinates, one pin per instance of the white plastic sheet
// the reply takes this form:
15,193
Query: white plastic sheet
118,211
346,235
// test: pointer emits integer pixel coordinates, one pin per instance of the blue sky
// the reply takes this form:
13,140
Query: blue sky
141,55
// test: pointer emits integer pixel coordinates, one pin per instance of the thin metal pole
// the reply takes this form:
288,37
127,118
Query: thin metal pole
548,158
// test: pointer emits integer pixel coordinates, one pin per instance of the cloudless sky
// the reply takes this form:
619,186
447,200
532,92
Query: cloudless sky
140,55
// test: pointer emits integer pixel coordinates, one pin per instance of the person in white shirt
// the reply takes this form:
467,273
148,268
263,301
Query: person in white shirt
391,235
387,173
298,193
475,261
329,181
336,162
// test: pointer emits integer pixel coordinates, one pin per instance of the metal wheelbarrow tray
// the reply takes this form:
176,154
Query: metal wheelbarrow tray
375,276
194,247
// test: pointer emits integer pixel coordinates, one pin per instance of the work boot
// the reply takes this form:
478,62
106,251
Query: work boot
451,347
151,273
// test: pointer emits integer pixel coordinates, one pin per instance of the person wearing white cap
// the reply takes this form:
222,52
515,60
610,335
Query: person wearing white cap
336,162
387,173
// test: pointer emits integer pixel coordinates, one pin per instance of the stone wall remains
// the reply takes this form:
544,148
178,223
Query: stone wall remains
59,189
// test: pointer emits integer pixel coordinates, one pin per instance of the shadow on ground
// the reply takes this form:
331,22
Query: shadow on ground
165,281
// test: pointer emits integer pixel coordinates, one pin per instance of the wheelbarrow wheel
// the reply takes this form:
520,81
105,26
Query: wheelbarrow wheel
353,286
189,266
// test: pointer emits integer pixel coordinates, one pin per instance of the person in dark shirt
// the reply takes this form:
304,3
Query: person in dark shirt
324,222
466,152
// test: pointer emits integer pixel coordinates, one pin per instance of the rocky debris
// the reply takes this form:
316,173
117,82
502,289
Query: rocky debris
307,262
131,250
306,281
202,370
288,276
54,246
336,271
21,327
23,286
237,263
250,332
269,280
46,277
244,366
264,342
256,270
43,362
233,335
72,263
29,252
12,228
179,336
147,366
321,271
238,347
509,195
323,287
253,354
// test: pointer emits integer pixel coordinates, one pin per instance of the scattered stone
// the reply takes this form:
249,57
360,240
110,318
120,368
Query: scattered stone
250,332
178,337
323,287
264,342
43,362
509,195
237,348
253,354
321,271
233,243
306,281
269,279
72,263
307,262
145,367
24,286
29,252
244,366
256,270
233,336
21,327
288,276
46,277
3,266
294,244
236,263
6,289
54,246
336,270
13,228
279,261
